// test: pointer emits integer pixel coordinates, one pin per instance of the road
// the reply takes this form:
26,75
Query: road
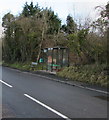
27,95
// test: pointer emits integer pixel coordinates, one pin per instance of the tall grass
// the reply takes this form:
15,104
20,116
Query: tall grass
93,74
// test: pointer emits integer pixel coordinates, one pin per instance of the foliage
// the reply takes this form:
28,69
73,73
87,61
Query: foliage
30,10
93,74
78,43
36,28
7,19
26,34
70,26
19,65
54,23
101,24
25,66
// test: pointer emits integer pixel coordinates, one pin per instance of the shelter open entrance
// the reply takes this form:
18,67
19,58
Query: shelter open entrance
55,58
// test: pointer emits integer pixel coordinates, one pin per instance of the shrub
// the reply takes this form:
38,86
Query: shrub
93,74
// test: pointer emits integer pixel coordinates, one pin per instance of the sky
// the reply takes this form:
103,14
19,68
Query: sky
78,9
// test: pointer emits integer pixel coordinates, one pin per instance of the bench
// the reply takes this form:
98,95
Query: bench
54,67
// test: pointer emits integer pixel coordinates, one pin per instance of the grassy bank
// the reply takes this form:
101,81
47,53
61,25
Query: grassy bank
17,65
93,74
24,66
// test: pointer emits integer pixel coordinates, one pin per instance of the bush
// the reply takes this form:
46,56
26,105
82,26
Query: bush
93,74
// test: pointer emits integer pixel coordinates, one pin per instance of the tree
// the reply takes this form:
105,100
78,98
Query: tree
50,26
78,44
7,20
64,28
8,41
102,30
101,24
30,10
71,25
53,22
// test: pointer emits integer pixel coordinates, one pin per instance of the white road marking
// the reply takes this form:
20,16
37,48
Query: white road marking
97,90
6,83
88,88
47,107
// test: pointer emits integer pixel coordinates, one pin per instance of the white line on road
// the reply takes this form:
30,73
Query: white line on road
6,83
47,107
97,90
88,88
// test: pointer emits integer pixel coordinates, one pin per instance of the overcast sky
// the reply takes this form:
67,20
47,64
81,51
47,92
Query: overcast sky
79,9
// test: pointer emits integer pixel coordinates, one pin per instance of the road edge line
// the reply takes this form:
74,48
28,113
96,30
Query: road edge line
80,86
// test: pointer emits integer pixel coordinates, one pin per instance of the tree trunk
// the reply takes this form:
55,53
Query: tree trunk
40,46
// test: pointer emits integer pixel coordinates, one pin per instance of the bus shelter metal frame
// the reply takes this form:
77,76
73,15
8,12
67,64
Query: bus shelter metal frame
60,54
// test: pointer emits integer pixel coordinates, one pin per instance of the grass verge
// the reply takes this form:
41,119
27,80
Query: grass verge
25,66
18,65
93,74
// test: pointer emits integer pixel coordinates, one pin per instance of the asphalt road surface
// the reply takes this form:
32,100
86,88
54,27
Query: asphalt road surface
27,95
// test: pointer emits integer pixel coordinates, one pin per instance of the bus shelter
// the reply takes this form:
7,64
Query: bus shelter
55,58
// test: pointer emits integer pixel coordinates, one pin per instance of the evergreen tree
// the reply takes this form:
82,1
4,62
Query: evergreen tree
30,10
71,25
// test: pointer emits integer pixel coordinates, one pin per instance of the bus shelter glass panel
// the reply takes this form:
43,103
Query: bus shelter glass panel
55,58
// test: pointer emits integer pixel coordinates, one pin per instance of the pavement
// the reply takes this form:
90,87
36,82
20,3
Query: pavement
42,95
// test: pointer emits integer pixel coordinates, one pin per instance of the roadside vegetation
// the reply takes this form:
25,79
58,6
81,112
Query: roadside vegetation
26,66
37,28
20,66
91,74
